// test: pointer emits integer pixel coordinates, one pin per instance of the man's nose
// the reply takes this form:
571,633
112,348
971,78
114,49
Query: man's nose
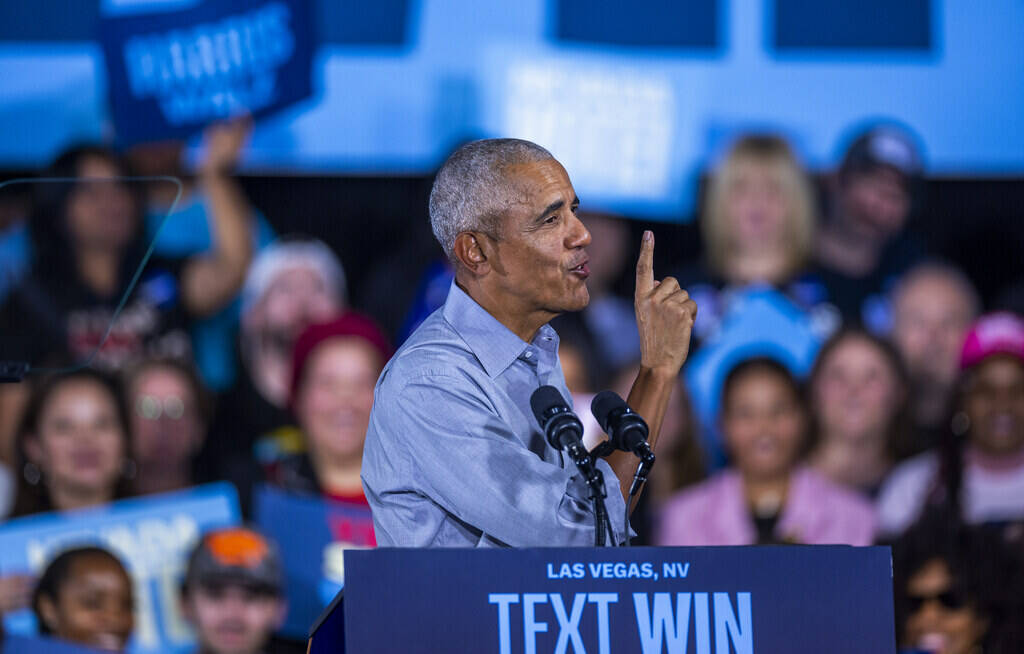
579,236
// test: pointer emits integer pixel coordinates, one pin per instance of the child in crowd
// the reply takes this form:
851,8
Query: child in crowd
767,496
858,401
85,596
233,593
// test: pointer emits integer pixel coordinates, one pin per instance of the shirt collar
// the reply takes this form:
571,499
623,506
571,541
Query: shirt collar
494,344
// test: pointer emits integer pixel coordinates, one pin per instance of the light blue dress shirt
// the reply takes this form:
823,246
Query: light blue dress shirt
454,456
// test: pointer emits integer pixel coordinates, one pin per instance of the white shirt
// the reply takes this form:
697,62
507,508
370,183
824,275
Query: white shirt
988,495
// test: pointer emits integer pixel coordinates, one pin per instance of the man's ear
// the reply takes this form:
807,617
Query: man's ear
470,253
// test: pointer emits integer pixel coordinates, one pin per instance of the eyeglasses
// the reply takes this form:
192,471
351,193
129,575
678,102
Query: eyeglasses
949,599
153,407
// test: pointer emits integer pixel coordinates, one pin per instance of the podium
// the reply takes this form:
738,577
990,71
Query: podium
680,600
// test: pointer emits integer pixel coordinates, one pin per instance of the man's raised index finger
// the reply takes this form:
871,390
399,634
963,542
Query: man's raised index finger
645,265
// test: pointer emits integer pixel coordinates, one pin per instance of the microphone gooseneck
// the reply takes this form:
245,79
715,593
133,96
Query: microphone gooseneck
564,431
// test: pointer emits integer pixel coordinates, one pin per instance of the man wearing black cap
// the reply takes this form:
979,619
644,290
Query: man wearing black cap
861,248
234,592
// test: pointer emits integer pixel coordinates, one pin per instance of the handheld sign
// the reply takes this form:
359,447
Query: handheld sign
696,600
170,73
152,536
313,533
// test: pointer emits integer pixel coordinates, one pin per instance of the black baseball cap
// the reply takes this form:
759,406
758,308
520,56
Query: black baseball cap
236,556
884,146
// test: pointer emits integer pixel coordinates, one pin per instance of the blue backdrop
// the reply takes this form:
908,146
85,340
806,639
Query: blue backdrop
633,97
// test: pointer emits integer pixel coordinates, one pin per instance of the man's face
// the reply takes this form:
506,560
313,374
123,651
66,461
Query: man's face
931,316
875,203
539,263
233,619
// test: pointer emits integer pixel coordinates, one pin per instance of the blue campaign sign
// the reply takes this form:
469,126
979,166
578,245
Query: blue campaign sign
22,644
152,535
696,600
313,533
172,72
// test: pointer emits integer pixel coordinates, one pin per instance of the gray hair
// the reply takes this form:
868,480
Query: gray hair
471,191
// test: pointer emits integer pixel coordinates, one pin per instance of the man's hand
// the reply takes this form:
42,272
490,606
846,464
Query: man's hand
664,315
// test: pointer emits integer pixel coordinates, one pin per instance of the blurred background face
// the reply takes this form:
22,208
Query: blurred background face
875,203
763,424
334,402
994,403
857,392
100,214
930,320
295,299
80,444
940,619
233,619
755,206
94,605
165,417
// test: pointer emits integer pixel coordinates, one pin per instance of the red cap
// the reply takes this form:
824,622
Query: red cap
995,333
349,323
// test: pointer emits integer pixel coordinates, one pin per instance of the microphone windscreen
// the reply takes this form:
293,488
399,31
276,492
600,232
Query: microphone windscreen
603,404
544,399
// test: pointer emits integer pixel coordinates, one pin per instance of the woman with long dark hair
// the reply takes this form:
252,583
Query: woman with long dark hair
73,445
858,396
977,475
89,240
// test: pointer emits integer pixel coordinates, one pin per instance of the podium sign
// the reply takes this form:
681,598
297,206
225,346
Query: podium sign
686,600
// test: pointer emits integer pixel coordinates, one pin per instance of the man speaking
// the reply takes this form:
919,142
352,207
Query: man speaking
454,456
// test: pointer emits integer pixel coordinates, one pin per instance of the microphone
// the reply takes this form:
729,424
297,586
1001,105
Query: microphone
564,431
625,428
562,428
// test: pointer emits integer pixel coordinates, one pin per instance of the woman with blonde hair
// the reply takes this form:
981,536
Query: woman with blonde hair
757,222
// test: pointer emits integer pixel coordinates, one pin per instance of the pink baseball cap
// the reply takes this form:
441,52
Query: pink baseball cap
995,333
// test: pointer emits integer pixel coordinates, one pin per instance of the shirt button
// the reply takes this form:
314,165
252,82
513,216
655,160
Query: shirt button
528,355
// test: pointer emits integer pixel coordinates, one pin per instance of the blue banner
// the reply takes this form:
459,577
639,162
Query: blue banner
152,535
313,535
696,600
172,72
22,644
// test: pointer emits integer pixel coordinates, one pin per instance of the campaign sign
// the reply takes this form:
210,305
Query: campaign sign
152,536
313,535
172,72
681,600
22,644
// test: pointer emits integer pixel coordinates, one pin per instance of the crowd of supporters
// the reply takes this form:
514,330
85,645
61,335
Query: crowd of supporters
888,407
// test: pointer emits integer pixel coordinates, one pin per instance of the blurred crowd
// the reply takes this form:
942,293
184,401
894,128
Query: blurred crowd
235,355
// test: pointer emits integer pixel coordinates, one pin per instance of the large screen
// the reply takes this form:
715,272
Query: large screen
636,98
